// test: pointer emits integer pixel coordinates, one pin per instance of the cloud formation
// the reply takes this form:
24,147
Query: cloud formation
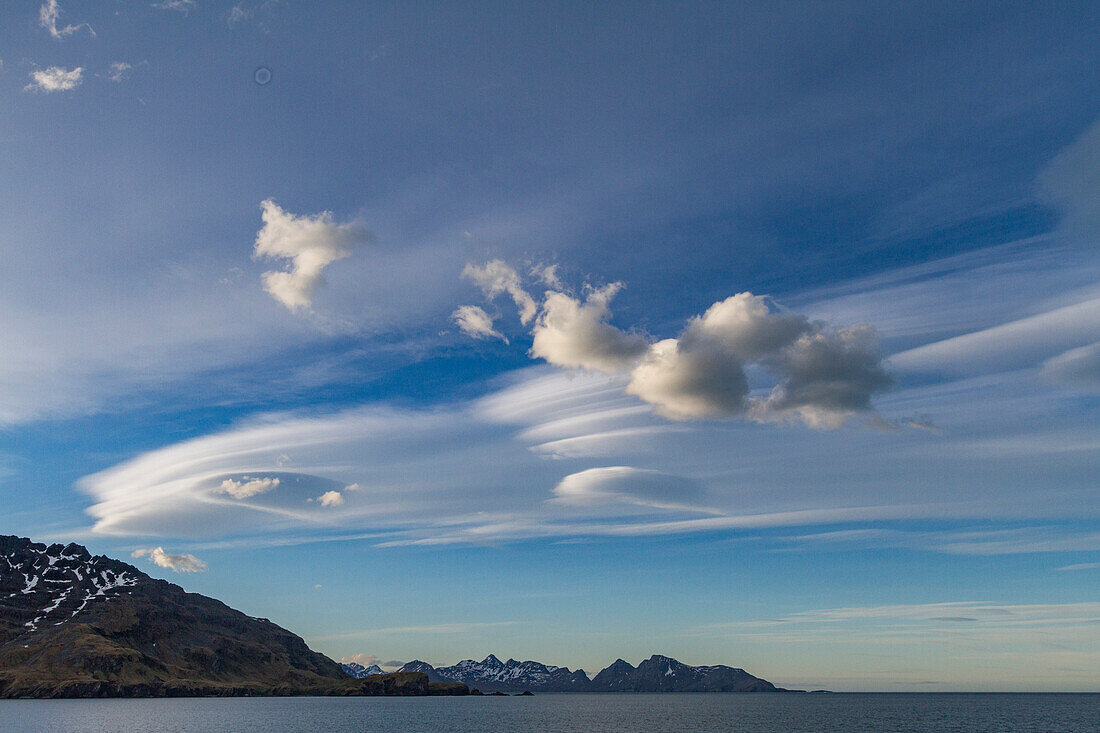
119,70
822,375
497,277
180,563
331,498
181,6
50,13
576,335
476,323
310,243
248,487
55,79
1077,367
627,485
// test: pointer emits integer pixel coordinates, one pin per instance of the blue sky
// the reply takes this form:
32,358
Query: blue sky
765,335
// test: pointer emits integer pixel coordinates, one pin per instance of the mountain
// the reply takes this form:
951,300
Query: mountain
664,674
492,675
74,625
656,674
358,671
420,667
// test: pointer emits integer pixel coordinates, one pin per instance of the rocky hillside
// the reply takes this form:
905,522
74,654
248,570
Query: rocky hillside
74,625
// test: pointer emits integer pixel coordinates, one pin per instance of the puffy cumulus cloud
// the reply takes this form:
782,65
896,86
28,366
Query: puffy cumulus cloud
330,498
821,375
576,334
627,485
690,380
181,563
497,277
311,243
829,375
48,16
1077,367
476,323
746,326
55,79
248,487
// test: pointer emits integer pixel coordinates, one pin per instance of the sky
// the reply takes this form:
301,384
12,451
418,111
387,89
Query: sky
760,334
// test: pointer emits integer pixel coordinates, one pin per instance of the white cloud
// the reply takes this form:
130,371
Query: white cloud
476,323
447,474
55,79
119,70
690,381
822,375
331,498
1017,344
181,6
48,16
576,335
181,563
248,487
1077,367
747,326
310,243
630,486
497,277
364,659
548,276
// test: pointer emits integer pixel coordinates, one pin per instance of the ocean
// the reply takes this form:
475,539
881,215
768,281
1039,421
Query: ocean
611,713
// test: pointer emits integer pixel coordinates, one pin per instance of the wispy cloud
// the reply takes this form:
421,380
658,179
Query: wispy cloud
180,6
48,16
118,71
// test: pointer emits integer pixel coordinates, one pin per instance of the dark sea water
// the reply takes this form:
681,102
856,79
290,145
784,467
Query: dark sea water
888,713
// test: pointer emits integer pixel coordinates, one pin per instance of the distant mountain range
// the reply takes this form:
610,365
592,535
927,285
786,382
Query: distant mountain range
656,674
359,672
74,625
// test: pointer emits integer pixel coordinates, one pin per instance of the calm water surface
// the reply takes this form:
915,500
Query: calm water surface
567,714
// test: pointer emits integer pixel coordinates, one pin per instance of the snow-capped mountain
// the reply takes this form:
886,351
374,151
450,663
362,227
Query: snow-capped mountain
77,625
46,586
358,671
656,674
493,675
